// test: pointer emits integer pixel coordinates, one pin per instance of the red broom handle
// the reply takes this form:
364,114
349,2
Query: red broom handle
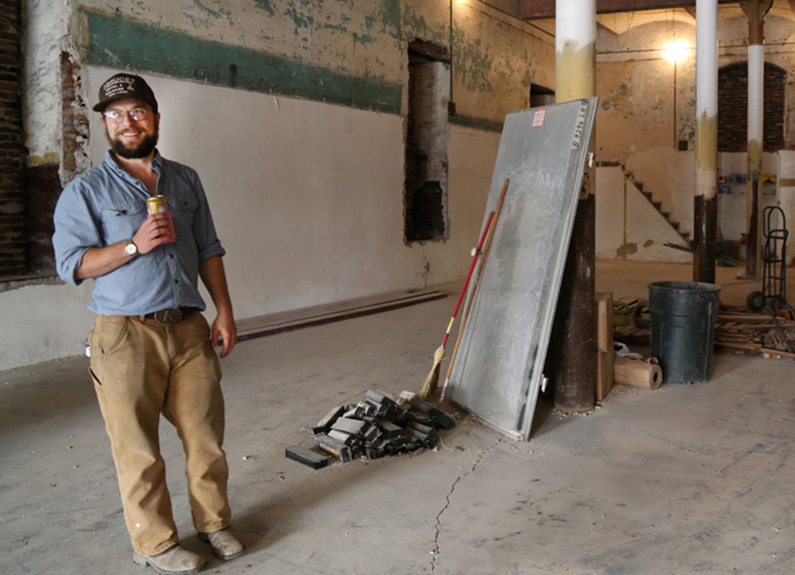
474,287
469,275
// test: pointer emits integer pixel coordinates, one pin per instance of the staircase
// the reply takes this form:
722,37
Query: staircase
657,206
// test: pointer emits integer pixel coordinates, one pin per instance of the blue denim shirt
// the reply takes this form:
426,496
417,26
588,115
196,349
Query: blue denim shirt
106,205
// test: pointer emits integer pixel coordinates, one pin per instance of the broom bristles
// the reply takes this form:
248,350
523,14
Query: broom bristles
433,377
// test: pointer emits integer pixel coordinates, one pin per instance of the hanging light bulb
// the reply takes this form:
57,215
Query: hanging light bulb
676,50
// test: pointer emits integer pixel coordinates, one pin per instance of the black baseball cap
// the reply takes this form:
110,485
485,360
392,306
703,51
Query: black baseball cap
125,87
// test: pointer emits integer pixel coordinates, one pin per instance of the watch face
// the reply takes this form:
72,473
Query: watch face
131,249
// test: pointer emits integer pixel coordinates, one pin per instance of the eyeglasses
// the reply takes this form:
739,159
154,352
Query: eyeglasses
117,116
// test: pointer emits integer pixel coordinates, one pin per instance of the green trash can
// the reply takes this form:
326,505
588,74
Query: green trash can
682,327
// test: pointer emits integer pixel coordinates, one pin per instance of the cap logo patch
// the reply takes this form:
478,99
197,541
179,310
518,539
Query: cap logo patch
119,87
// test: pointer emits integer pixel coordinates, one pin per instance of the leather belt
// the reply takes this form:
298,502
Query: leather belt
171,316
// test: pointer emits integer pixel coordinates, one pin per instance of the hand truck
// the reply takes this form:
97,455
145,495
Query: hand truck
773,297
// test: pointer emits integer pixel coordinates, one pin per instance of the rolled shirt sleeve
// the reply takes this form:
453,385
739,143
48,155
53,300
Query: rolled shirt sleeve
76,231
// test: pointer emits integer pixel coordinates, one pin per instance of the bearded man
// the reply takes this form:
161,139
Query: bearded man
152,352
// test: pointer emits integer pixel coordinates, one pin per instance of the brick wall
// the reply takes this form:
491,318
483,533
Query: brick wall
733,108
12,148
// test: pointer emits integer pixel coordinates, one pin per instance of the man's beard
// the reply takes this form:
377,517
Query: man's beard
142,150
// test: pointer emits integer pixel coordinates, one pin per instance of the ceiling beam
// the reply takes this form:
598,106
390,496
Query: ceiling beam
539,9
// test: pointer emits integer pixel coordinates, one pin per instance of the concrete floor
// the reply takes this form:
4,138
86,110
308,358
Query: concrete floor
681,480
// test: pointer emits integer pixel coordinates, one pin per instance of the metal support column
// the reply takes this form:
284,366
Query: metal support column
756,12
571,365
706,200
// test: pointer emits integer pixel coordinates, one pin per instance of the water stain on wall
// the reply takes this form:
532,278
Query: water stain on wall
473,62
220,13
626,250
264,5
616,97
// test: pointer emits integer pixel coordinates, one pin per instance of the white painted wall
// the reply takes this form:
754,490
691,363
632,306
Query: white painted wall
785,192
307,200
732,206
307,197
732,209
610,209
44,322
737,163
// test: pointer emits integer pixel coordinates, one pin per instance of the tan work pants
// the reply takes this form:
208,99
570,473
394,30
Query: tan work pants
141,369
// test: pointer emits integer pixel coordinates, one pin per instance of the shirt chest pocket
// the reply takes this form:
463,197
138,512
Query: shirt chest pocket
185,202
183,209
122,220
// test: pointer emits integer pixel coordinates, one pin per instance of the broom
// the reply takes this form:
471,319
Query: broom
496,215
433,377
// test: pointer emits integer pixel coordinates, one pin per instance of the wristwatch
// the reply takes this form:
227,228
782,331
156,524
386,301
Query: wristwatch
131,248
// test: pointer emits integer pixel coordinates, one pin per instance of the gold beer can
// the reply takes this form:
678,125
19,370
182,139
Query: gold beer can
156,205
159,205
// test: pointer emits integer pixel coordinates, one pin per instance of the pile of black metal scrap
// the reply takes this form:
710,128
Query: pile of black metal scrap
374,428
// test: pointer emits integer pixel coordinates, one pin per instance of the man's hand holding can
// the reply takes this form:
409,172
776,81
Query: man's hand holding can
159,205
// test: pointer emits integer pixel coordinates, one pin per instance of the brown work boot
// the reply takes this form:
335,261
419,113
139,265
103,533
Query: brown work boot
174,561
224,544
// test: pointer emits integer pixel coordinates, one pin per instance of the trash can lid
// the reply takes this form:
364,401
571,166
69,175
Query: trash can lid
685,286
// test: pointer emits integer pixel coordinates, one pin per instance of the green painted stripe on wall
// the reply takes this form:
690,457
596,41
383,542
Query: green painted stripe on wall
117,42
477,123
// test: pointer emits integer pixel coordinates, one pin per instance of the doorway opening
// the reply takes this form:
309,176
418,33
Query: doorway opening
427,134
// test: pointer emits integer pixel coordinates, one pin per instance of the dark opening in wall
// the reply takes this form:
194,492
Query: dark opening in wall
733,108
541,96
29,187
12,147
427,130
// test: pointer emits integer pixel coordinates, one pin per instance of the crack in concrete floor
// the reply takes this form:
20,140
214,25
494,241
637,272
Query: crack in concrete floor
436,551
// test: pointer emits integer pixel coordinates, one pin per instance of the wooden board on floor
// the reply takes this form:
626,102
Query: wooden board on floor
322,314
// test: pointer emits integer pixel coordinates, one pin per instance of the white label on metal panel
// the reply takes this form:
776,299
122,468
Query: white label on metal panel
579,126
538,117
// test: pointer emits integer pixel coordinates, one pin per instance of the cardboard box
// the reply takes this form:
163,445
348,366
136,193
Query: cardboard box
604,321
605,355
604,373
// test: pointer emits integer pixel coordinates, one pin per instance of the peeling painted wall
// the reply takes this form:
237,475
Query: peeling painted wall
45,30
341,51
293,113
636,84
337,51
495,60
645,100
648,104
